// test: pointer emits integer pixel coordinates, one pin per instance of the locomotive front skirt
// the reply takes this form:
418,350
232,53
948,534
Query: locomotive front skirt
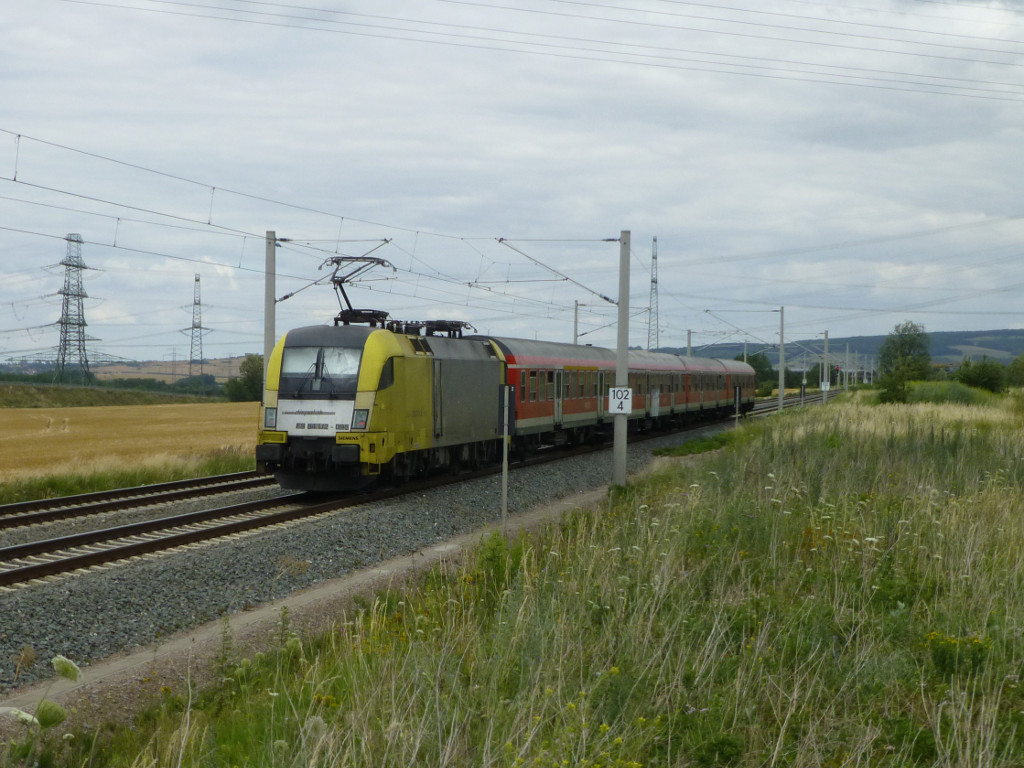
345,405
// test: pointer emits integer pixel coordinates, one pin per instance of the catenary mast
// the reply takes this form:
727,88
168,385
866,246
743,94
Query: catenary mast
652,320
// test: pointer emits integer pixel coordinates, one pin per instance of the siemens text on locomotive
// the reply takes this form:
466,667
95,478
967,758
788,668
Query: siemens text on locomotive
345,405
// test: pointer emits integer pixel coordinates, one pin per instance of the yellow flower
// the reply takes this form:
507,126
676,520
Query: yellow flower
604,728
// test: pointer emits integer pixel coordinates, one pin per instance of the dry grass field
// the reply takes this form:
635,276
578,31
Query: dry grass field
35,442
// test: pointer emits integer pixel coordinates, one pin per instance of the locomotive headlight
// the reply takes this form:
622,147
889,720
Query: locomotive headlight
359,417
270,418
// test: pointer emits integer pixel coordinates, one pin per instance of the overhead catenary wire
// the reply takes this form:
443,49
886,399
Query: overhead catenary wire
578,284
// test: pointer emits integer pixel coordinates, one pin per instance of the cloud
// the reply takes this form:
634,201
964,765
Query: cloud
791,155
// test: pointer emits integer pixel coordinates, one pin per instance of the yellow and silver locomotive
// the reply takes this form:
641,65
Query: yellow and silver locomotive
345,404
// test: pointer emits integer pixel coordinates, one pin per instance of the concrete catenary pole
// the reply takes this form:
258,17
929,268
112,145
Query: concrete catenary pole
782,357
622,361
269,301
826,372
846,370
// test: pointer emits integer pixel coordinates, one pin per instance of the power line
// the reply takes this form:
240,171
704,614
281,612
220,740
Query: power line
615,56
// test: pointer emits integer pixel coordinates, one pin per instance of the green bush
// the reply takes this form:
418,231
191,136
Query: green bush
939,392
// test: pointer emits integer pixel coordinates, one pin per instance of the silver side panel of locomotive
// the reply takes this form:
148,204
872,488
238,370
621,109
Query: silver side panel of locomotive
466,382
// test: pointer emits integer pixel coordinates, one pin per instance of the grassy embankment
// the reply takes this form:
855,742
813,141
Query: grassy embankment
63,444
834,588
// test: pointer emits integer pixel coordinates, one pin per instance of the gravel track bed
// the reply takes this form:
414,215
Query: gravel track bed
52,530
93,615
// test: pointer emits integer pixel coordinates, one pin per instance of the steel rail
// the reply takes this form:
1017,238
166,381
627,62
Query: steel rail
47,510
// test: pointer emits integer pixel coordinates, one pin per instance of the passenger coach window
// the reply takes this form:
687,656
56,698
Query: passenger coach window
533,386
522,387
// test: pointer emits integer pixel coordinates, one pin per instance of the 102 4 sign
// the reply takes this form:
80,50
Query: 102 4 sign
620,401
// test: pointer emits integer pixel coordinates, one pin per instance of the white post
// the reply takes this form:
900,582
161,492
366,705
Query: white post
689,343
622,361
576,321
269,301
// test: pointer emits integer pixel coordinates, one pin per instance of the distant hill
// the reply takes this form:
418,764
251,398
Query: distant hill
947,347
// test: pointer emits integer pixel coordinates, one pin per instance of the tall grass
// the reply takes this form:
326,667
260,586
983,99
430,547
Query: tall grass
837,588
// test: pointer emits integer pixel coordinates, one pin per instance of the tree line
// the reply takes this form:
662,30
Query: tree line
904,356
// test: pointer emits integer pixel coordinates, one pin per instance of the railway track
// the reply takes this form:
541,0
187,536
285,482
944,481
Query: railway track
26,563
83,505
771,405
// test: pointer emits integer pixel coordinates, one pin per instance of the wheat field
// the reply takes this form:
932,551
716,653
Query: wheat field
35,442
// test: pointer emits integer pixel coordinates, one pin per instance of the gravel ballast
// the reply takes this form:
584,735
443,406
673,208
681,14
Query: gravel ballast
96,614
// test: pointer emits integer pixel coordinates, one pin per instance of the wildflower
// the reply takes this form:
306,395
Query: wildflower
604,728
50,713
316,728
18,714
66,668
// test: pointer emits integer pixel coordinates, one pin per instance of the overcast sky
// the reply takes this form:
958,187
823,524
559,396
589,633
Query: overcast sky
858,166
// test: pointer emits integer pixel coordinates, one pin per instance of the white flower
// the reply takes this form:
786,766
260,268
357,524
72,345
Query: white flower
66,668
18,714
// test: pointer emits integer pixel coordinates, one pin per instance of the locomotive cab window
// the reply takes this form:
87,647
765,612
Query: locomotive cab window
319,371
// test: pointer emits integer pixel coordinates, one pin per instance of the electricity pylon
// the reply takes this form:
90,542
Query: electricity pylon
72,317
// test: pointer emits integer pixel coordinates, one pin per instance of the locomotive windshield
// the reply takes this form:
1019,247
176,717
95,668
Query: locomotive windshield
323,371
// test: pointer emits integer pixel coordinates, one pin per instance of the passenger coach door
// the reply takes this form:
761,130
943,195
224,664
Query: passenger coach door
558,397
